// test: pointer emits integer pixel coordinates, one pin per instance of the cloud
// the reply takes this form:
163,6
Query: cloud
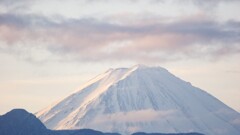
135,116
88,39
15,6
211,2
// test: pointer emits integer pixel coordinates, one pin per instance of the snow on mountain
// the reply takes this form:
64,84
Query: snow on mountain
141,98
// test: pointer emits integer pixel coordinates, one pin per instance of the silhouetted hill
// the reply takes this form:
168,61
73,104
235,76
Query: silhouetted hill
20,122
142,133
80,132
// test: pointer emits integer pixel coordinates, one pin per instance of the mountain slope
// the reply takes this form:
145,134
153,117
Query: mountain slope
141,98
20,122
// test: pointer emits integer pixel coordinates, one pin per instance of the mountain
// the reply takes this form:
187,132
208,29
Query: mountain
20,122
141,99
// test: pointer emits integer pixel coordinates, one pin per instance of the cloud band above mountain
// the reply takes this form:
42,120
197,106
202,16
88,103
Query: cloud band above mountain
89,39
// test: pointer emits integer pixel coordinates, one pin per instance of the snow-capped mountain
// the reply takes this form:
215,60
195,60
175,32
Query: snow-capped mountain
140,98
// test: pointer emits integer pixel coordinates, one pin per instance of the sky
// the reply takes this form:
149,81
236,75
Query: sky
50,48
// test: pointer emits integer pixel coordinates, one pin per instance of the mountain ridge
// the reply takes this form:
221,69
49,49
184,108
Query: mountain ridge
141,98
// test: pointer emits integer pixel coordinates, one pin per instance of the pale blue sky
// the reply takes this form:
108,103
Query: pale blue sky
49,48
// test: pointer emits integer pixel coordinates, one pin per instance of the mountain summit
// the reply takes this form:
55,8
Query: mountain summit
141,99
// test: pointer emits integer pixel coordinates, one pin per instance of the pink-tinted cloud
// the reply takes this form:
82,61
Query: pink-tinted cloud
90,39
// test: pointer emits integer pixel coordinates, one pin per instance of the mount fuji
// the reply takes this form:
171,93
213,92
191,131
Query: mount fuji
141,99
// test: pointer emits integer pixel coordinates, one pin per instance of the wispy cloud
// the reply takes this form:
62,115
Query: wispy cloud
135,116
90,39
